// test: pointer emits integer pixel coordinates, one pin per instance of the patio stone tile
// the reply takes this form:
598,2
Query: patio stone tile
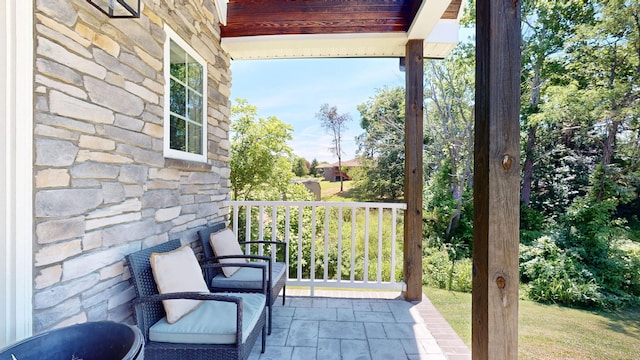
405,312
345,314
386,349
375,331
303,333
371,305
342,330
281,321
415,347
277,353
340,303
406,331
283,311
431,346
380,305
315,314
362,305
412,347
319,303
362,327
278,337
373,316
304,353
328,349
458,357
428,357
300,302
400,305
355,350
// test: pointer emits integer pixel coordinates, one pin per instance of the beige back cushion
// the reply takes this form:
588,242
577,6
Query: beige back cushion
224,243
178,271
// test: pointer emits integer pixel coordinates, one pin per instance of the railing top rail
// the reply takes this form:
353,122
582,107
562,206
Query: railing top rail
402,206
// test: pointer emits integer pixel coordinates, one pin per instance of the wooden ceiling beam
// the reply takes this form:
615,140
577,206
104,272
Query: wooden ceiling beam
272,17
453,10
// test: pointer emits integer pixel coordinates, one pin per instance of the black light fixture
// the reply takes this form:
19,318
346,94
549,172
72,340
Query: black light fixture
117,8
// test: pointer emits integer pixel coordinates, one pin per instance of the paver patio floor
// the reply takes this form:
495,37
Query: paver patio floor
356,325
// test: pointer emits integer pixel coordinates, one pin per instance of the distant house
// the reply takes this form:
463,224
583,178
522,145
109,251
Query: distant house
332,172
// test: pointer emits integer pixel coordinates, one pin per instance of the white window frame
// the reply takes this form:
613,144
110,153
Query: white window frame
168,151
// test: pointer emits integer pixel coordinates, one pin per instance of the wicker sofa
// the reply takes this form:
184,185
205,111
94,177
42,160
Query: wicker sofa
212,333
240,282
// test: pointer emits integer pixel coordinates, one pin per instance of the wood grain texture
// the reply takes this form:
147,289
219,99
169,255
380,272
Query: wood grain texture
453,10
414,178
496,181
278,17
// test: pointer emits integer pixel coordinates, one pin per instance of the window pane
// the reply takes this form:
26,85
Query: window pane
178,62
187,101
178,98
195,107
195,138
178,133
195,75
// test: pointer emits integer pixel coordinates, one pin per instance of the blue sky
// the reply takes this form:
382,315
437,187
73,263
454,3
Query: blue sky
294,90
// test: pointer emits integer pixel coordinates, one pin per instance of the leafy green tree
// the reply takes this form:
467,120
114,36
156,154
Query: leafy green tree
260,156
584,159
381,146
336,125
300,167
607,68
546,26
313,168
449,101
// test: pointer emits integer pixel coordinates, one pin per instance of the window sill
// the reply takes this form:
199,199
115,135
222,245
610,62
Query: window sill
186,165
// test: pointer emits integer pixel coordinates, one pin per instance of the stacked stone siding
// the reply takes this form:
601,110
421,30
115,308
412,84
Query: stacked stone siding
103,188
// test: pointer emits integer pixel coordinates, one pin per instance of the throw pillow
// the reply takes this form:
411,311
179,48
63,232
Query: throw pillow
224,243
178,271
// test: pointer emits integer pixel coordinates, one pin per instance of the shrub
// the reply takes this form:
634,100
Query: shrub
440,271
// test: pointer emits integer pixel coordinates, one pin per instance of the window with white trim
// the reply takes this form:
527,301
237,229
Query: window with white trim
185,114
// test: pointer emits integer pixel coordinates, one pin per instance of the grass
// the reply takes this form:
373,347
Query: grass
330,191
554,332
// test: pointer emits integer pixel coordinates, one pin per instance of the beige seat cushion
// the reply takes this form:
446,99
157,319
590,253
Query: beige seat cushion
178,271
224,243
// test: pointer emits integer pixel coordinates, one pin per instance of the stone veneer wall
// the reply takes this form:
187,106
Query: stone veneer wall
102,186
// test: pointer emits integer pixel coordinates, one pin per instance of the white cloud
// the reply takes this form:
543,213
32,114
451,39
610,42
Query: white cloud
294,90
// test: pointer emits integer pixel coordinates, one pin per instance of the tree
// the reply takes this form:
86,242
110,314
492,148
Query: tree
260,156
300,167
335,124
546,24
585,165
449,100
313,168
381,146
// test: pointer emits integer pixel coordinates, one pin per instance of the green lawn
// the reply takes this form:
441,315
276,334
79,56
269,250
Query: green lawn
554,332
331,190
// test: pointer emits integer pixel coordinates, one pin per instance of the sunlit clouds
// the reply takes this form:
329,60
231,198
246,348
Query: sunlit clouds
294,90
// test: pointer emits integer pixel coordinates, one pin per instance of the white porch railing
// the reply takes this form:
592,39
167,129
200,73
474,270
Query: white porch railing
331,244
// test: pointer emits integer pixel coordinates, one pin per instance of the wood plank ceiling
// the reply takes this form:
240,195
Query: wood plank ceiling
294,17
268,29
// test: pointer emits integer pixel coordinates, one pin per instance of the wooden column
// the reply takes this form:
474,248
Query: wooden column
413,178
496,181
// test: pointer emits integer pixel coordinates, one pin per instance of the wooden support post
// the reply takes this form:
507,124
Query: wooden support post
496,181
413,178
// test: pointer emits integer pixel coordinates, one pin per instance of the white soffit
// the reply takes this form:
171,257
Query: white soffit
221,9
428,15
443,38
